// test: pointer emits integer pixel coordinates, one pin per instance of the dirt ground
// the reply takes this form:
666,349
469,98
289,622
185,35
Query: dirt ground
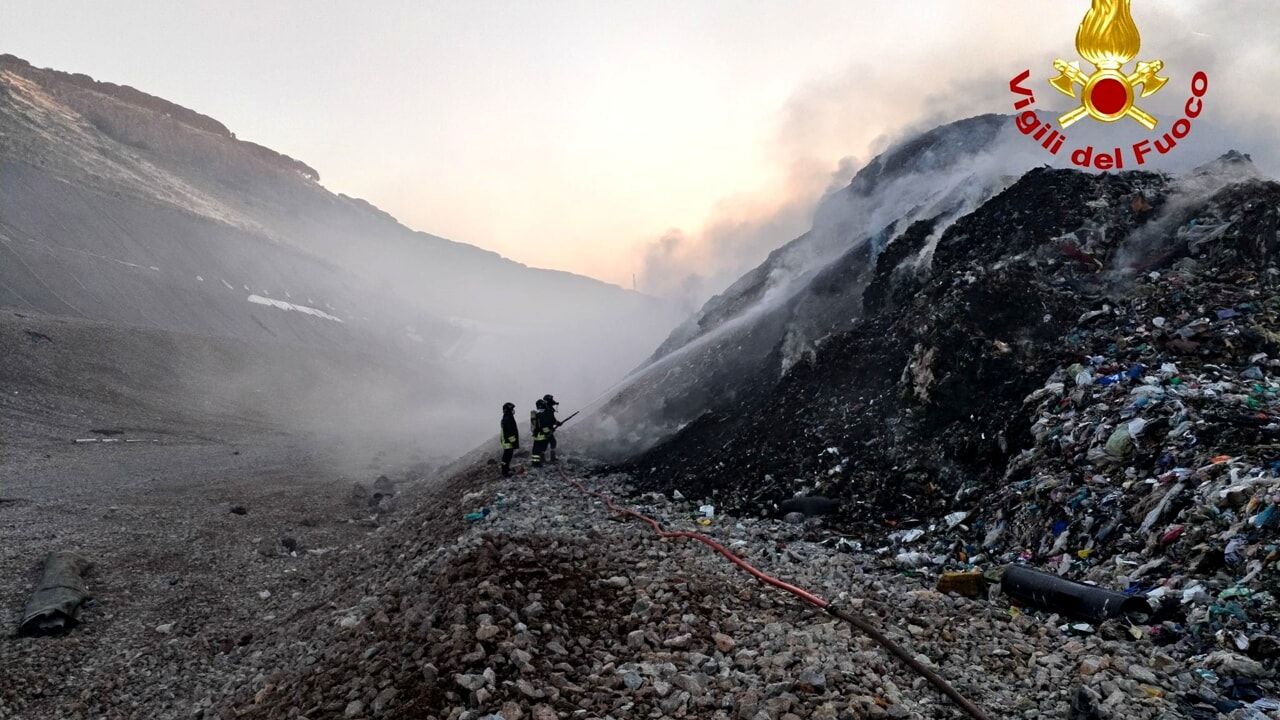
155,518
147,496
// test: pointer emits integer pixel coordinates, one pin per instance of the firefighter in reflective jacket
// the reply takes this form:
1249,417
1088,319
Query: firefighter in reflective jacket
551,425
539,432
510,436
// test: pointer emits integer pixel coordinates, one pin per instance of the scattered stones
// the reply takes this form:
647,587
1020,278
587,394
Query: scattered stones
470,682
523,614
811,681
1142,674
678,642
724,643
359,495
527,612
384,485
632,680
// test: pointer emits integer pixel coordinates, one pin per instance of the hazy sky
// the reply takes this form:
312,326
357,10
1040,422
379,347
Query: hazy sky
574,135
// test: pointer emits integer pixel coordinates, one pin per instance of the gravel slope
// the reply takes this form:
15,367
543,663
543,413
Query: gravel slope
177,575
547,608
149,502
550,608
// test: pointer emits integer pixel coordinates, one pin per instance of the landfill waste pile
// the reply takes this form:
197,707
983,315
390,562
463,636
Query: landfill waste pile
1082,376
924,387
548,607
736,347
929,387
1155,464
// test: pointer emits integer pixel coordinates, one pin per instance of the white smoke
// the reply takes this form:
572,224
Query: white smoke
860,110
1168,231
638,415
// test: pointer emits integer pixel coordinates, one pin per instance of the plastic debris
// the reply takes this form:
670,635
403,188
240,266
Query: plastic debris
55,605
969,584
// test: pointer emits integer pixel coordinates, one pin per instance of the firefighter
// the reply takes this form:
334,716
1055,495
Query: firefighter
510,436
538,428
551,425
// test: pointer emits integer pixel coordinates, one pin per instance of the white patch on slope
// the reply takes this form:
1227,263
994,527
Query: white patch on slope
259,300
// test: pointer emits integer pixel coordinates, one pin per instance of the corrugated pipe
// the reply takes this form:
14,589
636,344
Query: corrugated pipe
1073,599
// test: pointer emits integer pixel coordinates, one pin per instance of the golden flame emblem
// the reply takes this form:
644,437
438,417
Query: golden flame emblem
1109,39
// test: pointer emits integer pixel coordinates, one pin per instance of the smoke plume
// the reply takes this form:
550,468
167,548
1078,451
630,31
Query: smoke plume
863,109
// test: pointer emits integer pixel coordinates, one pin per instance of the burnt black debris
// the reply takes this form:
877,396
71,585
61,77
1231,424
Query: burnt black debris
923,388
811,506
1083,375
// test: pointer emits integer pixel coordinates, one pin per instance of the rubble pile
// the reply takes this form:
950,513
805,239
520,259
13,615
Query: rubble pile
547,607
485,625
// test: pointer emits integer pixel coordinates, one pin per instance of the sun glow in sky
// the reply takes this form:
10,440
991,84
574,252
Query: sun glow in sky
573,135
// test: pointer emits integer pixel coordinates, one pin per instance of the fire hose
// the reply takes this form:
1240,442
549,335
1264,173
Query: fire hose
861,624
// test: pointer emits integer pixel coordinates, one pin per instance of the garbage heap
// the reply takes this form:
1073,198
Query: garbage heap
962,318
1153,465
1080,375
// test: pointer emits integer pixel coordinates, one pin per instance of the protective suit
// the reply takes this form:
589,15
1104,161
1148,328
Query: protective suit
510,437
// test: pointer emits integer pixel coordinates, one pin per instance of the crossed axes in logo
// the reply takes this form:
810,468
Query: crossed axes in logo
1100,97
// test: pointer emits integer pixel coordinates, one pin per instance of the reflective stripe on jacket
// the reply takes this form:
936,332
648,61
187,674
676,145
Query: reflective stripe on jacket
510,435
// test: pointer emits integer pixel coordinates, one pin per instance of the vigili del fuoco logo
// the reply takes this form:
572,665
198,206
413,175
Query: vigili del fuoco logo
1109,40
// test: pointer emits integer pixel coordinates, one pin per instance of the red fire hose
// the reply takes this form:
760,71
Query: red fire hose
861,624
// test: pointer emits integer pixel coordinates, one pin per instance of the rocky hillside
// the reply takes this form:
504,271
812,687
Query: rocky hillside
123,208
